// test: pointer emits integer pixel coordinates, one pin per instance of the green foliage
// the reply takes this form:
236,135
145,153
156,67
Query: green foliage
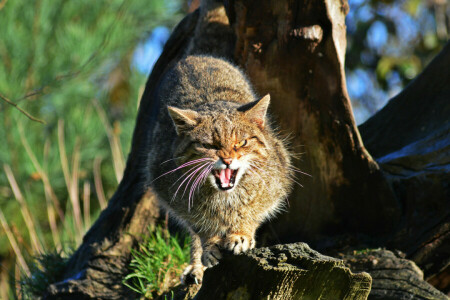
388,44
45,43
67,63
46,269
406,33
157,264
57,61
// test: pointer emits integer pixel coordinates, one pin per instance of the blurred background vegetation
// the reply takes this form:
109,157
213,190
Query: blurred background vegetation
81,66
388,44
73,65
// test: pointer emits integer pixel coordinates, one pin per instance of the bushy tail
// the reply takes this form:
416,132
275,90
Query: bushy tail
213,34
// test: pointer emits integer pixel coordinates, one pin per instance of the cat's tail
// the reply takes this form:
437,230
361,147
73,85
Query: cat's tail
213,33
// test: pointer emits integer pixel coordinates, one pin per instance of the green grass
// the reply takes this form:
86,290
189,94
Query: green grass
158,263
364,251
46,269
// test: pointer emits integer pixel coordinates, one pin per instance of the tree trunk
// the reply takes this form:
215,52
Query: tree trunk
298,57
410,137
295,51
97,268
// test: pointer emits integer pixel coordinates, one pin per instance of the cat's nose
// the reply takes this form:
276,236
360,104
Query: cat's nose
227,161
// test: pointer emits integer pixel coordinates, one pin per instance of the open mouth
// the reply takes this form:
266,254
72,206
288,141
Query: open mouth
225,178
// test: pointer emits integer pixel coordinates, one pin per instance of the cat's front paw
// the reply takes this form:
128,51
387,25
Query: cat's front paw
193,274
211,255
238,243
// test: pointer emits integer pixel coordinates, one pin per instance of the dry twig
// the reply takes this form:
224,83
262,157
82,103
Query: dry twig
21,110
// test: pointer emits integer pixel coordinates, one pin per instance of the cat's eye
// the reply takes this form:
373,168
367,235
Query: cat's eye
242,143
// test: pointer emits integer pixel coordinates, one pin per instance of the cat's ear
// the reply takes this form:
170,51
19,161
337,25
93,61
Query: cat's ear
184,119
256,111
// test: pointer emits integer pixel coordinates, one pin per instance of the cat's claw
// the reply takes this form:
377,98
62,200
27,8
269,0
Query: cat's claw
192,273
211,256
238,243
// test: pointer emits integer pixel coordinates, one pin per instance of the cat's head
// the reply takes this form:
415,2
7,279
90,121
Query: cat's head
224,144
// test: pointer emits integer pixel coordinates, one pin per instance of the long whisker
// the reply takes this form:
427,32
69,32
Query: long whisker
188,172
193,173
183,166
265,184
197,182
192,178
188,175
254,171
295,170
206,172
172,159
194,184
296,182
253,165
290,167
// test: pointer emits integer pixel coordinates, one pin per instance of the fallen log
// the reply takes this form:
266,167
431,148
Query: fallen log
290,271
393,277
295,271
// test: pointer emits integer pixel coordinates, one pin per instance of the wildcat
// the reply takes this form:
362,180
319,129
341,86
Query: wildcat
214,161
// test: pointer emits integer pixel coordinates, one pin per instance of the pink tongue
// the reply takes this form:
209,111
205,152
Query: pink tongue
225,176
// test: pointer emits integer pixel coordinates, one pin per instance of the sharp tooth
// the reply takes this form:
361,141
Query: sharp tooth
231,184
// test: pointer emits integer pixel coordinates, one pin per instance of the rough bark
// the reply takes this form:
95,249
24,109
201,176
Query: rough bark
393,277
298,57
410,137
294,271
290,271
